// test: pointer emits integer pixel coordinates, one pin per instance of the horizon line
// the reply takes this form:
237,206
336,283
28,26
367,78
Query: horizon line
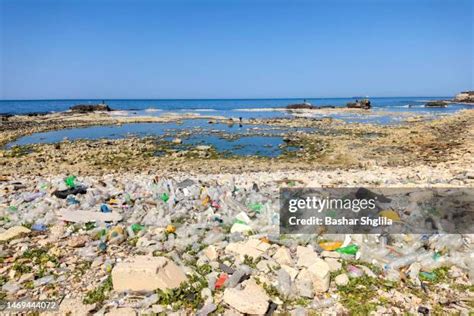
218,99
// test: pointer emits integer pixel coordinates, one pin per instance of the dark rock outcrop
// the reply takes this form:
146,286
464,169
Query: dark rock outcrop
436,104
86,108
300,106
465,96
360,104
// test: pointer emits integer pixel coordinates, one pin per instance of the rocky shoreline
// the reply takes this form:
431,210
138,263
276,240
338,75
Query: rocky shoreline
101,225
333,144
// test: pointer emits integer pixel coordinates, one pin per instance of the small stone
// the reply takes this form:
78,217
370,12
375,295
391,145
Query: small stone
177,141
157,309
43,281
342,279
303,284
203,147
253,248
26,277
210,252
334,264
367,271
77,241
251,300
283,256
266,265
10,287
319,272
330,254
143,273
125,311
74,307
306,256
291,271
206,294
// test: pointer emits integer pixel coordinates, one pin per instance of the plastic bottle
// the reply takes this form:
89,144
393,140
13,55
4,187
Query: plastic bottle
104,208
206,309
349,250
242,272
70,182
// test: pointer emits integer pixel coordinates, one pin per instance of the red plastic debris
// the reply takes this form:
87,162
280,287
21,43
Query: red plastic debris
221,280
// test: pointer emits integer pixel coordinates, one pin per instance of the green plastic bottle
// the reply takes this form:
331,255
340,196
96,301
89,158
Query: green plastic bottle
70,182
348,250
165,197
137,227
256,207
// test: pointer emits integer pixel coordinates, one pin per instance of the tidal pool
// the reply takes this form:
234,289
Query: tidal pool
233,139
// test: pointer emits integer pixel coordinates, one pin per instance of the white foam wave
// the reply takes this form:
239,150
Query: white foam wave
153,110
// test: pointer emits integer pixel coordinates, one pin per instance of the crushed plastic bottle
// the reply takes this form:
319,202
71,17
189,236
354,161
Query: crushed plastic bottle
39,227
104,208
164,197
70,182
206,309
348,250
221,281
256,207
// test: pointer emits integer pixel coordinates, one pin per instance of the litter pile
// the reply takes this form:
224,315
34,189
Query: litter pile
118,244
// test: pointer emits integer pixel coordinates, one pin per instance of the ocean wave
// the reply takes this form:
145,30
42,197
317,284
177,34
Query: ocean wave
204,110
153,110
119,113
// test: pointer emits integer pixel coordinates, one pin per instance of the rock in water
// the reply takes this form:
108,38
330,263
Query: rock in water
144,273
251,300
85,108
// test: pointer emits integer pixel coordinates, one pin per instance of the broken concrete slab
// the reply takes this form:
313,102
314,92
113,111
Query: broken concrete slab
13,232
283,256
145,273
253,248
319,275
306,256
333,263
251,300
88,216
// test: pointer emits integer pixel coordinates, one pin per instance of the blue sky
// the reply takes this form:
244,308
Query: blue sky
234,49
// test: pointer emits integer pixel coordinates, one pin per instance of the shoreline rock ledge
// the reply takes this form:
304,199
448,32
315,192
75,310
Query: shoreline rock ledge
465,96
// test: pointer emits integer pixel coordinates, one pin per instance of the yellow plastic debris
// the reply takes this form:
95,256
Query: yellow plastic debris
170,229
113,202
390,215
206,200
330,245
115,232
